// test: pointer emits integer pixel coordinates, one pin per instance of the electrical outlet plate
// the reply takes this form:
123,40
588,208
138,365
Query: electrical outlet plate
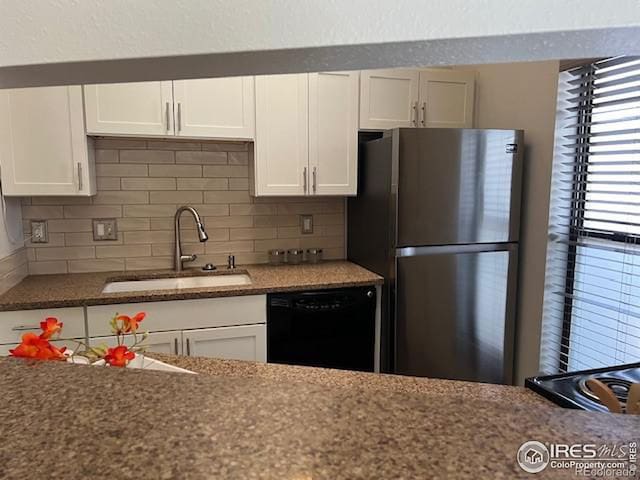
306,224
105,229
39,231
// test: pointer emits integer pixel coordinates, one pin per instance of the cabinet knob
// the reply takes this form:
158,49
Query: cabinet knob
370,294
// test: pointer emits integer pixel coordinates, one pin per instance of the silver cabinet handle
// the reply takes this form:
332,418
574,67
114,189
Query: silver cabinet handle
179,117
175,345
25,328
415,114
188,348
424,114
80,176
304,179
314,179
166,114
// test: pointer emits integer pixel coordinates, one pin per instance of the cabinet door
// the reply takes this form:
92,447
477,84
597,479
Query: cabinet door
43,146
446,98
247,342
281,154
161,342
14,324
215,107
138,108
333,132
388,99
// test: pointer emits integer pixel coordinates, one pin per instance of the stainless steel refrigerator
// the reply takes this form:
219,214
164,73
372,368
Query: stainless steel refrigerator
437,214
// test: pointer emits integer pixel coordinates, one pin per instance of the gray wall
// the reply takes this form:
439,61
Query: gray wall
523,95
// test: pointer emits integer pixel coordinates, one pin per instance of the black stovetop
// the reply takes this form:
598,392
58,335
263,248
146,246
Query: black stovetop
569,389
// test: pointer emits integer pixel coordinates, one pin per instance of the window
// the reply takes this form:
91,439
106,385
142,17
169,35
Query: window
592,291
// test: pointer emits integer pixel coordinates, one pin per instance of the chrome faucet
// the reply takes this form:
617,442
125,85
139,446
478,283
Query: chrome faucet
202,236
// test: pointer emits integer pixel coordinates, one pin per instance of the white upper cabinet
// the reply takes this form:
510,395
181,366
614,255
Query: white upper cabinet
214,108
333,132
416,98
131,109
446,98
280,161
43,145
388,99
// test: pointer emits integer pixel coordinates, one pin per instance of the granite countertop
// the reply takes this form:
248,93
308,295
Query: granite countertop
79,289
73,421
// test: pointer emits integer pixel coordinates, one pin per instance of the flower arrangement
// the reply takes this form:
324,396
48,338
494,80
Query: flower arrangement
40,346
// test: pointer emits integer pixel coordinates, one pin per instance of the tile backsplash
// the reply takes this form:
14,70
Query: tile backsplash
142,182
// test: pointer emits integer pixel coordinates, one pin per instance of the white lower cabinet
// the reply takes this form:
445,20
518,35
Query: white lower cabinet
245,342
158,342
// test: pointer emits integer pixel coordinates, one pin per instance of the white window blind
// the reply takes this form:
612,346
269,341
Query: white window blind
592,290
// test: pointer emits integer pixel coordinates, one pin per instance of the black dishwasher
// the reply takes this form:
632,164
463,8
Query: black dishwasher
324,328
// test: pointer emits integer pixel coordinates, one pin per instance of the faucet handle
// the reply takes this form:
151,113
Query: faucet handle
231,262
188,258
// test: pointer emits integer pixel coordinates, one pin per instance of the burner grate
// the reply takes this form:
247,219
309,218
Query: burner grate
618,386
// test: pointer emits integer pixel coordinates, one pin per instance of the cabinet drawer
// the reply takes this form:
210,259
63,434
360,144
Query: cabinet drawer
70,344
183,314
14,324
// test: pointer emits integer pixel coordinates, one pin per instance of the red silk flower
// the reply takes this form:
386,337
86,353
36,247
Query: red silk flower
50,327
34,346
131,324
119,356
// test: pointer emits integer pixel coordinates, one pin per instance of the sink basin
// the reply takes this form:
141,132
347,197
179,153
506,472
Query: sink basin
177,283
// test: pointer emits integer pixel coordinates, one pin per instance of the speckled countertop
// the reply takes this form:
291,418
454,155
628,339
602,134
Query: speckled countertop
73,421
77,289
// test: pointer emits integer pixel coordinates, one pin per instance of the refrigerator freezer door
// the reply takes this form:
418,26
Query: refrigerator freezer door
458,186
455,309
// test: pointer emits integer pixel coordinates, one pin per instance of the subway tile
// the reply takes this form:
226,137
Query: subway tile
147,156
230,247
321,242
41,212
300,208
148,183
239,184
92,211
149,210
225,146
238,158
47,268
133,224
148,263
333,253
25,201
119,143
328,219
176,197
249,258
173,145
55,240
70,225
162,223
108,183
13,261
175,171
165,249
97,265
289,232
11,278
216,234
148,237
203,184
227,197
201,158
121,197
31,254
253,209
107,156
65,253
225,171
61,201
276,221
216,259
86,238
252,233
212,210
120,170
121,251
229,221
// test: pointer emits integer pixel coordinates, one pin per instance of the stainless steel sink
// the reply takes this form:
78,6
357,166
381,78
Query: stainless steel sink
177,283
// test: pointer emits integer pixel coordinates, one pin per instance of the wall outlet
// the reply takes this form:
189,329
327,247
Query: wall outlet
105,229
39,231
306,224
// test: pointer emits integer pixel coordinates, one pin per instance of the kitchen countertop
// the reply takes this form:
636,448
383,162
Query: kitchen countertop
80,289
73,421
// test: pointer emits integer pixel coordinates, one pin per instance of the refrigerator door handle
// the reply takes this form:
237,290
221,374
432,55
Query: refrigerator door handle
444,249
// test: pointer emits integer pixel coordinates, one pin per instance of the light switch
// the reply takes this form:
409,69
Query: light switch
39,231
105,229
306,223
